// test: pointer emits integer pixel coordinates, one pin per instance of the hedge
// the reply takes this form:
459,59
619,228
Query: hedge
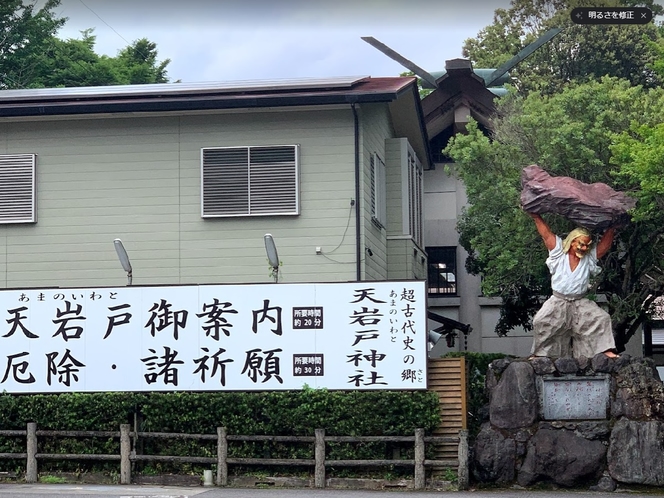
347,413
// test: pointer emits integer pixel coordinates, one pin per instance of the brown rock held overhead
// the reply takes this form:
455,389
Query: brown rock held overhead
595,206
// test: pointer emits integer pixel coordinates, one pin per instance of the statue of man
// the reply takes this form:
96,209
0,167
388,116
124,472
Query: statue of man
567,314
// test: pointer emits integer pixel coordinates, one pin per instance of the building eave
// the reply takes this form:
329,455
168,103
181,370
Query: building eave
177,97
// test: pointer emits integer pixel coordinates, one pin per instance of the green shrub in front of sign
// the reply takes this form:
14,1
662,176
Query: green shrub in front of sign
292,413
296,413
283,413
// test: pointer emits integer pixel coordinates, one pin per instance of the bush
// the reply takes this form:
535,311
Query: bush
279,413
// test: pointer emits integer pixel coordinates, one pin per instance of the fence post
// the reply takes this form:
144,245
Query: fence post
31,448
125,450
419,459
319,455
462,471
222,457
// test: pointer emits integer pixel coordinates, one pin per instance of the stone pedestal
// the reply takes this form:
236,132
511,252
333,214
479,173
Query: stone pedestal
586,422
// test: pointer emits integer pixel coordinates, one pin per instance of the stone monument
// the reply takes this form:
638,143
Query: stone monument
531,436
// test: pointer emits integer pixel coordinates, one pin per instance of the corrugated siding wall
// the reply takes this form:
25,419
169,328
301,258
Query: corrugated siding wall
138,179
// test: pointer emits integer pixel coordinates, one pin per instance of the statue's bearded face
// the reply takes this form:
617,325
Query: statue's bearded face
581,246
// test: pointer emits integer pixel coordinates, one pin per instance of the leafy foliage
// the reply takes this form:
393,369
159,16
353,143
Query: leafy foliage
295,413
288,413
588,131
578,53
639,153
658,47
25,33
31,55
72,62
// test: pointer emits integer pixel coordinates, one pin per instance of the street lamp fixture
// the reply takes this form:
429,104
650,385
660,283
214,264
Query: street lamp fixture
124,259
272,255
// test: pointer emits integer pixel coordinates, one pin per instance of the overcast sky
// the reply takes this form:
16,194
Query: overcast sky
225,40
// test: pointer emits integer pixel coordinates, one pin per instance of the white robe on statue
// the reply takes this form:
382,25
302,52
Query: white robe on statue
568,322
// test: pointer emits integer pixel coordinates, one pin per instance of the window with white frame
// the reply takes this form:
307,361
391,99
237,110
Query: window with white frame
17,188
413,194
378,191
249,181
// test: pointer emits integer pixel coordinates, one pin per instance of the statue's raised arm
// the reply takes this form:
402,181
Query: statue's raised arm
545,232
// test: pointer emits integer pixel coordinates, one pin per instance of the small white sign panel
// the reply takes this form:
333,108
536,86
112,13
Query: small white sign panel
574,398
364,335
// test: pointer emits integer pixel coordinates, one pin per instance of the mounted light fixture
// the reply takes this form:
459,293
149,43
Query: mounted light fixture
272,255
124,259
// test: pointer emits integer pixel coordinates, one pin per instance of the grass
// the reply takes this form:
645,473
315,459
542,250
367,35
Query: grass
48,479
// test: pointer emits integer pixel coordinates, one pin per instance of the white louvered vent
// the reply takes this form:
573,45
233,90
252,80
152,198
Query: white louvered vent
17,188
244,181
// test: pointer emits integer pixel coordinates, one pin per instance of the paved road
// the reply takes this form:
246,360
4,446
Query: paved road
96,491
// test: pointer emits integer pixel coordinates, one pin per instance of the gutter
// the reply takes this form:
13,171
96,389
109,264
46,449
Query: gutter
102,106
358,239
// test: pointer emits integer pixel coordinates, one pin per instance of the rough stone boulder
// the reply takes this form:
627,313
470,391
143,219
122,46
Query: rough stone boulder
543,365
493,456
636,452
514,400
592,429
595,206
639,393
563,457
566,365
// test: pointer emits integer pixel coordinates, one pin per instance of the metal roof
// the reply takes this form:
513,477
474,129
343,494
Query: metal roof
200,96
177,88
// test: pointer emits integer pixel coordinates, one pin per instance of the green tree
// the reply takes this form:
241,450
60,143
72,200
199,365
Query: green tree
639,154
588,131
138,63
25,33
578,53
32,56
74,62
658,47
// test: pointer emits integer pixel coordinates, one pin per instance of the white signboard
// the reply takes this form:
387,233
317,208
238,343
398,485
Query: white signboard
363,335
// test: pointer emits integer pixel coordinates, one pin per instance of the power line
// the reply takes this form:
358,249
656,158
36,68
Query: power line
111,27
144,55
